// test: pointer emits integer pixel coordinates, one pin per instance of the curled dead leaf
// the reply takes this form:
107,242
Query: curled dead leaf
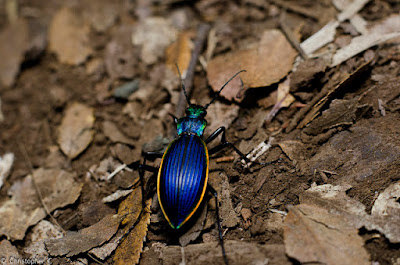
180,52
69,37
58,189
129,250
267,62
75,132
83,240
313,234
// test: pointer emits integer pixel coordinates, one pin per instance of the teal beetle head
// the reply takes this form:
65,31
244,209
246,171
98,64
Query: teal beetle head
194,121
196,112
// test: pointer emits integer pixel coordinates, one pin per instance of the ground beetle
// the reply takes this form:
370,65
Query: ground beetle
183,172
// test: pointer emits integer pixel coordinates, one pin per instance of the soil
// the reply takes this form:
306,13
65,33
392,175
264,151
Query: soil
362,149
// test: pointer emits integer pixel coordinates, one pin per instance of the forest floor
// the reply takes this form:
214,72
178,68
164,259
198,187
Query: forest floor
87,86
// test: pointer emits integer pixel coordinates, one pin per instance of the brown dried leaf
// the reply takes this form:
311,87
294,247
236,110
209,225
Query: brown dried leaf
83,240
75,132
219,114
58,189
266,63
195,229
237,252
128,252
14,42
120,60
154,34
314,235
229,218
115,135
180,52
102,14
6,163
69,37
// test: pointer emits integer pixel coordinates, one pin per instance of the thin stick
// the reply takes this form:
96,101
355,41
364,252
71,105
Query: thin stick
296,9
202,33
290,37
28,161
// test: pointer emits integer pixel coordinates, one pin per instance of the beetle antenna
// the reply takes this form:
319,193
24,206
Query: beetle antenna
227,82
183,85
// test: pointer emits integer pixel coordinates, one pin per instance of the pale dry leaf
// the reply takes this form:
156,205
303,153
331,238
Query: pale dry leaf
36,248
8,253
294,150
153,34
58,189
14,42
221,115
180,52
83,240
319,39
351,9
69,37
1,113
106,249
75,132
360,44
115,135
129,250
102,14
313,234
6,163
387,25
116,195
336,201
120,58
387,202
283,94
385,30
283,99
259,72
105,168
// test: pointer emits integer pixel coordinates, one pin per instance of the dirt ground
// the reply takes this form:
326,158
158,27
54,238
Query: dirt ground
86,86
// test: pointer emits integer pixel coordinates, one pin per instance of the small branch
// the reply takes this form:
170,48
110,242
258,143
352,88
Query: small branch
202,33
290,37
28,161
296,9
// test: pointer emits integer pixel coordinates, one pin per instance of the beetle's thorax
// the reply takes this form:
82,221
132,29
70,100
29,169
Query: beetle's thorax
194,122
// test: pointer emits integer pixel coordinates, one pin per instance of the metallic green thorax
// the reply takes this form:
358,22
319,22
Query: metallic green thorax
194,121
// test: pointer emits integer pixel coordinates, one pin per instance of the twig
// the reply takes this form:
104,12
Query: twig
202,33
225,159
297,9
116,171
28,161
93,258
290,37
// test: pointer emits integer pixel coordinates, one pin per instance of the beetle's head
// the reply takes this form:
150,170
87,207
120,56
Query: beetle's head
196,111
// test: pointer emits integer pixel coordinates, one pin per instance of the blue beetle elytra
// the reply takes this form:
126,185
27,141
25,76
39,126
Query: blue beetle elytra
183,173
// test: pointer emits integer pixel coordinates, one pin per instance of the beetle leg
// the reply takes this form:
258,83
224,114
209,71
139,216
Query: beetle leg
215,135
225,143
221,239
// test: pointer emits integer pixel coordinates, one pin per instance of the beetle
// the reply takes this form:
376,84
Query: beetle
183,172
